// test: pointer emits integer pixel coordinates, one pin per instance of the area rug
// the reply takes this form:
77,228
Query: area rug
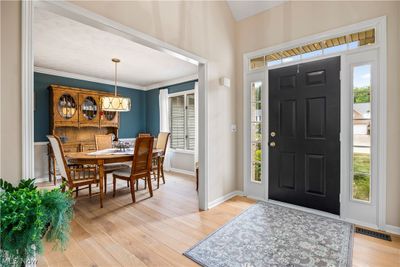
272,235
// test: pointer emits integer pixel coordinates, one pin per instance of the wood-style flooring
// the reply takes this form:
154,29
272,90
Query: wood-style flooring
156,231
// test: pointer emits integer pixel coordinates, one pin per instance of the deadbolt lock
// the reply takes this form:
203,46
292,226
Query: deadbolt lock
272,144
273,134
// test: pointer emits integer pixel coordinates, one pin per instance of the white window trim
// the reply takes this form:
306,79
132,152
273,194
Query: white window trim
380,24
323,55
182,93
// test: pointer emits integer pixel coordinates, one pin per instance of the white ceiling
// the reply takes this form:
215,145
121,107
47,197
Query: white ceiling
245,9
68,46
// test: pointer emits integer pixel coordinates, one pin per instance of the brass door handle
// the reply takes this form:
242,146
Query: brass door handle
272,144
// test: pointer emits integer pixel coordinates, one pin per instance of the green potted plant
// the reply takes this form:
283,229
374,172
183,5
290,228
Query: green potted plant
28,216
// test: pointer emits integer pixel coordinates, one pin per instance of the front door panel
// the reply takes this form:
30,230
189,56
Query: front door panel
304,162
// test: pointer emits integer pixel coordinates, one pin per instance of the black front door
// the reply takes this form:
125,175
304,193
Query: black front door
304,129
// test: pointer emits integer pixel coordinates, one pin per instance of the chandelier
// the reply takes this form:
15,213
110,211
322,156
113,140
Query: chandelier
115,103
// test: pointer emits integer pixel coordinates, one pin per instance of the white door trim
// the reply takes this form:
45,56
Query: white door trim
27,101
380,44
352,209
82,15
252,189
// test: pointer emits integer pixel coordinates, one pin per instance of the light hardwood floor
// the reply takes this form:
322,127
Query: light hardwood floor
156,231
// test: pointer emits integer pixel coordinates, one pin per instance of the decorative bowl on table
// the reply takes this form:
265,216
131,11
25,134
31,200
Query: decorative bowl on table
122,146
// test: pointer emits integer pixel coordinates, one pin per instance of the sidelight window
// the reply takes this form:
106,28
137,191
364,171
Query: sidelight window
256,131
361,185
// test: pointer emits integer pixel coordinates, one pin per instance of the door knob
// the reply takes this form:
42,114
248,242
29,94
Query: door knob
273,134
272,144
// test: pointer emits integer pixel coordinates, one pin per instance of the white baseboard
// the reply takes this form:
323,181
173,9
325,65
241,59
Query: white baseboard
392,229
255,198
360,223
41,179
182,171
224,198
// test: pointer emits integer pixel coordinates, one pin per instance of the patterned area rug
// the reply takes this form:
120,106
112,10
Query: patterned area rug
271,235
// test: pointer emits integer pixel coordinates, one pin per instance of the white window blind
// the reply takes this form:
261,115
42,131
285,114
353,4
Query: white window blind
182,121
190,122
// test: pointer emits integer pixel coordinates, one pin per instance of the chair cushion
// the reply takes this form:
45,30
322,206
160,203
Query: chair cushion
123,172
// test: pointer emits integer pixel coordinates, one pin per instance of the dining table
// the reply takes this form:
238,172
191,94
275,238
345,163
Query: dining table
105,156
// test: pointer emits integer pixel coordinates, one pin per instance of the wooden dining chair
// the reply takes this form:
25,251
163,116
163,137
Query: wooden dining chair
104,141
75,176
144,134
158,161
141,166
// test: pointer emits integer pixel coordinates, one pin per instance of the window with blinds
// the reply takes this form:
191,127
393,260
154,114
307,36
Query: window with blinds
182,121
190,122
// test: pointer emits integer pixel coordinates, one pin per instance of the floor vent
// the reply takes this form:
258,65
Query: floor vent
373,234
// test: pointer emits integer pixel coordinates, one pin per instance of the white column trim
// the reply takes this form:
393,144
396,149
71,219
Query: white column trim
27,94
382,128
203,138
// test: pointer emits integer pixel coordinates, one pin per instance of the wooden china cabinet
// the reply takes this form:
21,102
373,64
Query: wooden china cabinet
76,117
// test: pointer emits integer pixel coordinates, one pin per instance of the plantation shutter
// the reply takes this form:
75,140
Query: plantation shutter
177,116
190,122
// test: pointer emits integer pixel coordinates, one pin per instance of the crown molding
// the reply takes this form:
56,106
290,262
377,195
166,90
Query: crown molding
172,82
110,82
87,78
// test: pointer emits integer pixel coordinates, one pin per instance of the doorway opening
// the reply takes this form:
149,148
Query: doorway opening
88,18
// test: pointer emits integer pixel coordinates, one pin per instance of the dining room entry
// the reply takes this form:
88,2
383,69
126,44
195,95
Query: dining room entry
97,105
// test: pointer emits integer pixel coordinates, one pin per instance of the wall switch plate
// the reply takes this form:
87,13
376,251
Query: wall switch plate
223,81
233,128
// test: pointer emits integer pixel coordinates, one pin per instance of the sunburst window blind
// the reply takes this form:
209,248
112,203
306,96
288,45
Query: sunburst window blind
182,121
323,47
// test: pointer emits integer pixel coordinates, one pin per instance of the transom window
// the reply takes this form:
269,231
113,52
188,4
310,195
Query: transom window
324,47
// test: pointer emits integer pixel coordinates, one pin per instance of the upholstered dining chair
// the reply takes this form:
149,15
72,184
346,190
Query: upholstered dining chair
141,166
158,161
104,141
76,176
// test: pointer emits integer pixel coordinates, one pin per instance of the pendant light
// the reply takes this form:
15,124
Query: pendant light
115,103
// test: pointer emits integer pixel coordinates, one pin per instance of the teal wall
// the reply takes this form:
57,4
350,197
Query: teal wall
152,105
143,117
132,122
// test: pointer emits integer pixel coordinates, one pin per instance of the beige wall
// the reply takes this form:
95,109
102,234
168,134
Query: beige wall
294,20
203,28
10,109
208,29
